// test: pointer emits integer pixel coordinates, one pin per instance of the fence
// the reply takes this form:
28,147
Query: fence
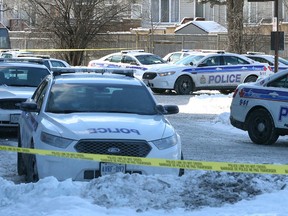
160,44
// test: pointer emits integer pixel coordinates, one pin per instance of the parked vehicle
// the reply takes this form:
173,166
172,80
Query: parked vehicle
269,59
260,108
96,112
134,59
205,71
18,81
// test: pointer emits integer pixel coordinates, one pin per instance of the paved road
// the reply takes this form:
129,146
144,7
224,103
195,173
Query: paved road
204,142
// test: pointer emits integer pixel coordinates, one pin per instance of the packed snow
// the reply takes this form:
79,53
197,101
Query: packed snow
197,193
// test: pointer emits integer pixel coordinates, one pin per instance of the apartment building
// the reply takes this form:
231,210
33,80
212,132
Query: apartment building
164,12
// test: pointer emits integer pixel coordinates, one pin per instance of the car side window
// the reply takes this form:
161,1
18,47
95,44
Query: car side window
281,82
114,58
234,60
57,64
128,60
211,61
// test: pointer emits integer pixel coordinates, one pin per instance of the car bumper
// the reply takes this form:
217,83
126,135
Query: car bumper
82,170
161,82
237,124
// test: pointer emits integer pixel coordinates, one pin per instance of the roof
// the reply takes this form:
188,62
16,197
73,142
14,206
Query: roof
207,27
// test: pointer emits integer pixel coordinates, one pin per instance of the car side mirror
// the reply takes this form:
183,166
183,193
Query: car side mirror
28,106
167,109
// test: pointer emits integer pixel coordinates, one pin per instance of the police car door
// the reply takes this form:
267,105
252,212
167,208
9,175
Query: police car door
276,99
209,72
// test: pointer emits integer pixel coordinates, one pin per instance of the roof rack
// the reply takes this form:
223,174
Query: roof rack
122,71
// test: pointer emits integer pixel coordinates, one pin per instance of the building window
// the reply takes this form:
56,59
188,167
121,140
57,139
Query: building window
164,10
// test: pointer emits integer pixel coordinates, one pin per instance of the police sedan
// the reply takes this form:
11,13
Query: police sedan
97,113
138,60
206,71
261,108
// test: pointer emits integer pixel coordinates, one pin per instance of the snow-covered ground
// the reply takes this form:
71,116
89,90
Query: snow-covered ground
197,193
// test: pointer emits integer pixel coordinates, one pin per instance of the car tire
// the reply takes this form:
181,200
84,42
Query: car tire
184,85
226,92
32,171
158,91
21,170
260,127
250,79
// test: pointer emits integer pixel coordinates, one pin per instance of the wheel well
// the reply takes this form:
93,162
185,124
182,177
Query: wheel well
185,75
250,76
252,110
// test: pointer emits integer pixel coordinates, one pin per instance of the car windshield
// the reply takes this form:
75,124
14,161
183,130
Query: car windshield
22,76
189,59
84,97
150,59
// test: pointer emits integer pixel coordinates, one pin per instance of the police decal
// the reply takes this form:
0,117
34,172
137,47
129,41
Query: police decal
113,130
229,78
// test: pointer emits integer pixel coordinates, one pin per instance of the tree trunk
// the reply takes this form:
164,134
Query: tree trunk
235,25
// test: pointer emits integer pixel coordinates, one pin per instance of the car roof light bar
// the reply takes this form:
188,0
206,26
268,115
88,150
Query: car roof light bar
122,71
25,60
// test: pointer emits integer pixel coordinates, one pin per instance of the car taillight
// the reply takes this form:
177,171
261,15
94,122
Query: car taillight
235,92
269,67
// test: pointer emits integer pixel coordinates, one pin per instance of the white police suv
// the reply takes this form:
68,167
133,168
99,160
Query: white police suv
205,71
138,60
99,113
261,108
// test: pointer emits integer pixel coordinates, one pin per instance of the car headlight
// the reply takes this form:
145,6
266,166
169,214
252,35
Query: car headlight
166,142
168,73
56,141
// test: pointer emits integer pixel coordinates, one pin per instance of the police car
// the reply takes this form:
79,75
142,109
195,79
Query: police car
269,59
261,108
97,112
18,81
134,59
205,71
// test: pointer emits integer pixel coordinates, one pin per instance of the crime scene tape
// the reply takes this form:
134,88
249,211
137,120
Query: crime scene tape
185,164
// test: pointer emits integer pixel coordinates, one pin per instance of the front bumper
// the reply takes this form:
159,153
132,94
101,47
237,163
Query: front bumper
82,170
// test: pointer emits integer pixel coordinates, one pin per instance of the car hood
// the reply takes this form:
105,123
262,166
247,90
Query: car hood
16,91
108,126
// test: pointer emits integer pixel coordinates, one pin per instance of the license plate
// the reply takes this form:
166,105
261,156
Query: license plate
110,168
14,118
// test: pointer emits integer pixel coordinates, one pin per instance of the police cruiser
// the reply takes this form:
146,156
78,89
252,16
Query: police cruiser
138,60
261,108
104,111
205,71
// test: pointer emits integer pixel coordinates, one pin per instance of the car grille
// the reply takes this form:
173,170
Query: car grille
149,75
10,103
133,148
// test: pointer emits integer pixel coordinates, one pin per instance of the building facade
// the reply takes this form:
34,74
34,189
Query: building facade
162,12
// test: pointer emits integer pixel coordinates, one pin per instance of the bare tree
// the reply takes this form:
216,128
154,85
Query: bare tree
75,23
234,10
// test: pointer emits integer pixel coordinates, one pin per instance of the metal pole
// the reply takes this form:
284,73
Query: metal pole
276,36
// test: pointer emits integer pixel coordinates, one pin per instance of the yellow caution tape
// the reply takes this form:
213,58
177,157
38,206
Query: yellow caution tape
185,164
